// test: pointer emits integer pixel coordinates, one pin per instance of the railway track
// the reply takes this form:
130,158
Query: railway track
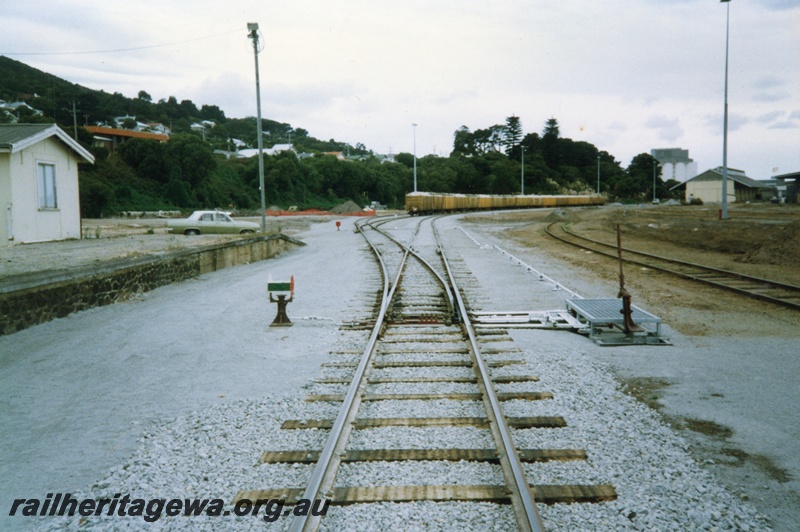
424,368
775,292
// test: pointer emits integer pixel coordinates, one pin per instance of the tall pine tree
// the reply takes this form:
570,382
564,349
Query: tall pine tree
512,133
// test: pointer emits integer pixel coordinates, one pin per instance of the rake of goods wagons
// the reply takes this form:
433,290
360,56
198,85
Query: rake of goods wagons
432,203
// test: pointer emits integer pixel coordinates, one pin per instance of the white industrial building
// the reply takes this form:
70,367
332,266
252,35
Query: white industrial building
707,187
675,164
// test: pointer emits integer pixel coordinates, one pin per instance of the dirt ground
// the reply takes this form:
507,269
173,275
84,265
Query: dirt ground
759,240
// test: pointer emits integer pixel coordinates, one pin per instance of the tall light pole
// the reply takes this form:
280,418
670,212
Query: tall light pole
655,164
522,177
252,27
598,175
725,120
415,156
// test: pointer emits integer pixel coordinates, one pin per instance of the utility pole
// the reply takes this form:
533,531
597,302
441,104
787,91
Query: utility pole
74,121
253,28
598,175
522,176
655,165
415,157
724,212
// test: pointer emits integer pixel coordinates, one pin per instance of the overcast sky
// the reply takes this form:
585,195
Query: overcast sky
626,75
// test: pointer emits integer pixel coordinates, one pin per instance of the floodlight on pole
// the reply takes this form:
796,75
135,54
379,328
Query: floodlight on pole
252,27
522,176
415,156
724,212
655,165
598,175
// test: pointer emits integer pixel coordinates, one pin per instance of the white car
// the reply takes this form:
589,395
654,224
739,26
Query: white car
211,222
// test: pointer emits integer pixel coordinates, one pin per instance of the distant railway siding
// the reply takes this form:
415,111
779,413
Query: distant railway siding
433,203
764,289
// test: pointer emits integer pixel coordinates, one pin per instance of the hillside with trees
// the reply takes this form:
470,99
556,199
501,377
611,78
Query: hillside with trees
186,173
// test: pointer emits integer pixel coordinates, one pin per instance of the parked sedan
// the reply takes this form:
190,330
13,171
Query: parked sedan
211,222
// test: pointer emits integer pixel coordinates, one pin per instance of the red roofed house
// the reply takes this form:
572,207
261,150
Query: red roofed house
109,137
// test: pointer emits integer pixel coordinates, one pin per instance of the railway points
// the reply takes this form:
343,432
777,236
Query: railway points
623,446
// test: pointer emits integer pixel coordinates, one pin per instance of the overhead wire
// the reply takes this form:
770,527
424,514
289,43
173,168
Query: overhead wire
117,50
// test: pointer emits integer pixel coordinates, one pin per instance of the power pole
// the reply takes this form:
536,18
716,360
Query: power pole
415,157
74,120
253,27
724,210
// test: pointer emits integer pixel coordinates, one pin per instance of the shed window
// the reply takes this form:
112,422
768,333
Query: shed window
47,186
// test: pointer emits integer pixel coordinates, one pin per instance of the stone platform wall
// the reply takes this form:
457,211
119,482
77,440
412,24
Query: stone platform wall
20,309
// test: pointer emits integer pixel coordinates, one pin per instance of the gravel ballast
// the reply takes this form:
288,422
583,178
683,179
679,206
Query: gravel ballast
213,450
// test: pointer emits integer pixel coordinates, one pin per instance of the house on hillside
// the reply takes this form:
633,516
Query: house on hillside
278,148
274,150
39,183
157,127
203,124
12,110
708,187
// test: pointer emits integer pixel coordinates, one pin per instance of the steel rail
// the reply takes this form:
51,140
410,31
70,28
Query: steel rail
323,475
702,268
324,472
448,295
527,514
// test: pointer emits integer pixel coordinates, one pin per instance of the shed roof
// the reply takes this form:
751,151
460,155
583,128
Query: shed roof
736,175
790,175
130,133
17,137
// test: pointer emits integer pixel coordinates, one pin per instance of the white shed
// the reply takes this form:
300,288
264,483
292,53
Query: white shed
708,187
39,198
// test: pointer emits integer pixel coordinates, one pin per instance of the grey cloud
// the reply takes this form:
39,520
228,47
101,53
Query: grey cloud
776,5
775,96
668,128
735,122
784,125
770,89
771,120
780,5
313,95
456,96
769,117
769,82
